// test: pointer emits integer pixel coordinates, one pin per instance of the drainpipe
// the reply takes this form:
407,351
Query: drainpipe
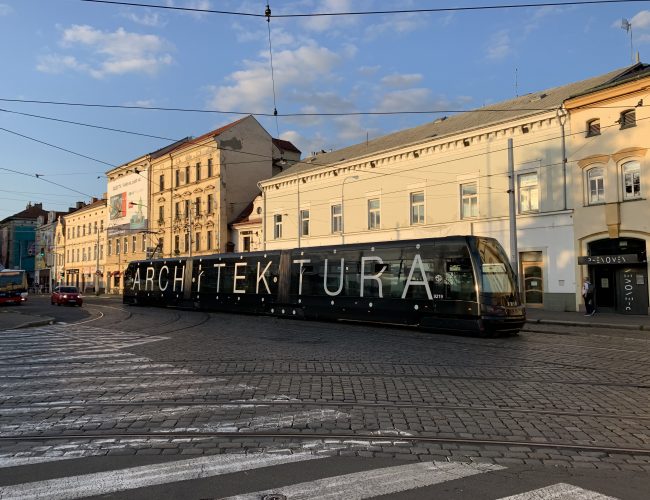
562,117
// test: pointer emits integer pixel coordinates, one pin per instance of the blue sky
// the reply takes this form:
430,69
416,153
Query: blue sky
74,51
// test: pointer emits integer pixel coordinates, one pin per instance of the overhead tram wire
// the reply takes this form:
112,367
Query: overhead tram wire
374,12
292,115
40,177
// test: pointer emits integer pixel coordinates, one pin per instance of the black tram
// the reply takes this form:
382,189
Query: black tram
457,283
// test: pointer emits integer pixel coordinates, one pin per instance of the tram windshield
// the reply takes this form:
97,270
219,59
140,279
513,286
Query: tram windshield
496,274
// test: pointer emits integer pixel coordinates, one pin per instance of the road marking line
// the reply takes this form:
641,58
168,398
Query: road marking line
377,482
559,491
102,483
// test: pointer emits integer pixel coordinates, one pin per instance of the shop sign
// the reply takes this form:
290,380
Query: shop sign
595,260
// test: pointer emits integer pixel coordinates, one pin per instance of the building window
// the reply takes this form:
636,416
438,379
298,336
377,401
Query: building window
187,174
198,171
161,183
177,244
95,227
209,241
210,203
469,200
197,241
178,177
197,206
337,219
177,210
101,252
84,229
631,180
417,207
246,241
187,242
593,127
144,242
373,213
83,255
117,247
187,209
528,192
101,226
596,183
109,247
134,243
304,222
277,226
627,119
209,167
161,215
126,246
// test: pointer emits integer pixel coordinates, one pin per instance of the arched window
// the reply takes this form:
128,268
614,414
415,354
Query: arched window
593,127
631,172
596,185
628,119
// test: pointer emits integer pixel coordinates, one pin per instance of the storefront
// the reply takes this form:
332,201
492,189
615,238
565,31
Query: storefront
619,271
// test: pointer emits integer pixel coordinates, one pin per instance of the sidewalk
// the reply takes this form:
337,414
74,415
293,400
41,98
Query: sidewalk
10,319
604,320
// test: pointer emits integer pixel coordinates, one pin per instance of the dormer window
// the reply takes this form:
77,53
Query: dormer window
628,119
593,127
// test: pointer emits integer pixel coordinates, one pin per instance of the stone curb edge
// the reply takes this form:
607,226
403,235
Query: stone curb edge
585,324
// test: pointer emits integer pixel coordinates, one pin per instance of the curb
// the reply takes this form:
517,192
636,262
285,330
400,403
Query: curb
585,324
39,322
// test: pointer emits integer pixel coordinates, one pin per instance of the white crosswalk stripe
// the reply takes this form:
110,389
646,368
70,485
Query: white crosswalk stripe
377,482
102,483
559,491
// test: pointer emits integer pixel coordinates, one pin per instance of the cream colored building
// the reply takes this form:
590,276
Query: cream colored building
447,177
199,186
81,242
609,161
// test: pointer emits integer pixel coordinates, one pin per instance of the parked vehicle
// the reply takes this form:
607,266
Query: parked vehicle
13,286
458,283
66,295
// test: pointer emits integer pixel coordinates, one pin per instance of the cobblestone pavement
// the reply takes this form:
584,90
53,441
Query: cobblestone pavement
141,381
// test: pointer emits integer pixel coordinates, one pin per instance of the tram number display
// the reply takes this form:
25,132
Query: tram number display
608,259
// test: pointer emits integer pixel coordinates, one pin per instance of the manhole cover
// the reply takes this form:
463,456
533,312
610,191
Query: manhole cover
274,496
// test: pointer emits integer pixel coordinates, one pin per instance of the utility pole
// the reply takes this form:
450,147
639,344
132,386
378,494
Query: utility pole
97,265
513,211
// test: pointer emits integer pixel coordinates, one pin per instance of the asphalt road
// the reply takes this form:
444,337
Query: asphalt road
129,402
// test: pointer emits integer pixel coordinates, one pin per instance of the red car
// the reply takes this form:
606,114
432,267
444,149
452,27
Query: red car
66,295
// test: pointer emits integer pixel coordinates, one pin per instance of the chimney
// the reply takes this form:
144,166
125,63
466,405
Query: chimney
38,205
79,204
93,200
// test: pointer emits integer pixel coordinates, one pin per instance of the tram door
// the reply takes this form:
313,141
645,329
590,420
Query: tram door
532,266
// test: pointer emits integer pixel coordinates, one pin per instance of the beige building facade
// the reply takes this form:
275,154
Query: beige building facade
80,242
449,177
610,137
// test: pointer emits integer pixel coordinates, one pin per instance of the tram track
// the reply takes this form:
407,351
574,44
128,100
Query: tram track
318,404
311,436
355,375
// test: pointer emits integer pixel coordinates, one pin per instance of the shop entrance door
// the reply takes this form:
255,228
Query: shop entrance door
532,266
605,283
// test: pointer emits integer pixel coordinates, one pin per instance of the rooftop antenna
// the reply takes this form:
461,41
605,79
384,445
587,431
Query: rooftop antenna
627,26
516,82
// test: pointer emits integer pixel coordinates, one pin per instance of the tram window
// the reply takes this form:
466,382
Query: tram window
495,276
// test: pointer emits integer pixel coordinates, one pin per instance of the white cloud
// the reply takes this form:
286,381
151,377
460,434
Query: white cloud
397,80
404,100
114,53
369,70
323,23
56,64
5,9
251,87
641,20
499,45
192,4
151,19
401,23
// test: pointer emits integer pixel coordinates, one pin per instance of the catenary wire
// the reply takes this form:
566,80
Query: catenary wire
371,12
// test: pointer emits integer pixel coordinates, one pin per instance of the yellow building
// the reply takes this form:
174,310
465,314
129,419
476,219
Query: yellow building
608,145
80,241
199,186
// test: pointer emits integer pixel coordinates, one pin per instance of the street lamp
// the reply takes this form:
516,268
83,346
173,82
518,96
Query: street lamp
353,178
